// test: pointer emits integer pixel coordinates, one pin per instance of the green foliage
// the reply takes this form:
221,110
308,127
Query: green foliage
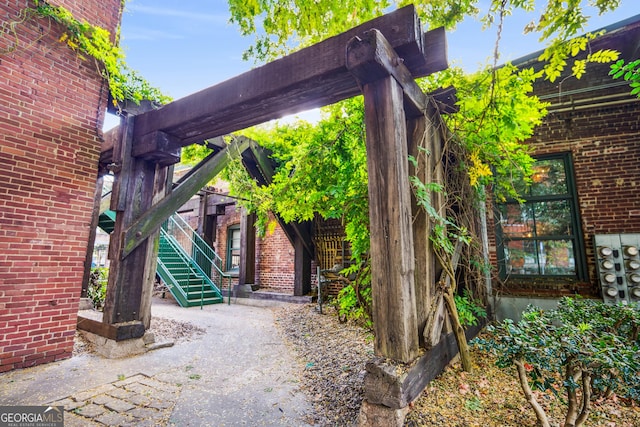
292,24
94,41
497,113
470,309
629,72
351,307
354,300
97,287
583,345
322,170
91,41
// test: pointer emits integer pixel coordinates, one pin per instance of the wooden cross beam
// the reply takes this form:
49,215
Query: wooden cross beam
310,78
151,219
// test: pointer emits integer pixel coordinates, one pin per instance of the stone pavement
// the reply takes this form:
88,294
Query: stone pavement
135,401
239,373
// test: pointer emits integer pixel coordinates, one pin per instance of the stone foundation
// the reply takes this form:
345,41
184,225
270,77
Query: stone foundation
372,415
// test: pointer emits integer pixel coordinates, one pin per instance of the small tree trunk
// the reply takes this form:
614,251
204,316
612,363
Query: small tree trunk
448,285
524,383
458,330
572,398
586,398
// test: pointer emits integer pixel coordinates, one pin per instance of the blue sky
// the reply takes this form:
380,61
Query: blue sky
183,47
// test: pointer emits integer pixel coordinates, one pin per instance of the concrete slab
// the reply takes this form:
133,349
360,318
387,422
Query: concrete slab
238,373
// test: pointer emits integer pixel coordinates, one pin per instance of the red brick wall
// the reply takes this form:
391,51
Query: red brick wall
51,109
274,254
275,262
597,121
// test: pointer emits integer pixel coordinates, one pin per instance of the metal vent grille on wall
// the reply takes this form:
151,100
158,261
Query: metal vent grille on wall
618,267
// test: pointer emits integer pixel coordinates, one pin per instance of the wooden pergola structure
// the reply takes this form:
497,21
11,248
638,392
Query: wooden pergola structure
380,59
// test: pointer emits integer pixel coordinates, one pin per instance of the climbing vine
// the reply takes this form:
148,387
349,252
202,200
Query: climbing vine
89,41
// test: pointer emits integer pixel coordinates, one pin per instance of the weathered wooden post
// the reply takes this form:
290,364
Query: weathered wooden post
398,121
392,252
142,177
247,271
139,184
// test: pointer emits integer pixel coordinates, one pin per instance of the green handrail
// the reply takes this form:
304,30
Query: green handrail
206,260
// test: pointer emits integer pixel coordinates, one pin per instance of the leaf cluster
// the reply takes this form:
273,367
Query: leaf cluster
321,171
470,309
97,286
293,24
497,113
629,72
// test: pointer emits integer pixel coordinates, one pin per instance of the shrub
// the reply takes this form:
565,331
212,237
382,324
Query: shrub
587,347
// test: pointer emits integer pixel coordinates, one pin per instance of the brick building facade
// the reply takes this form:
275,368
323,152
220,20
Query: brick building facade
588,144
274,253
52,106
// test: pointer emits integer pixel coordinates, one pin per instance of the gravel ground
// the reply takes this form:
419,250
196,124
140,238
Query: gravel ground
334,356
163,330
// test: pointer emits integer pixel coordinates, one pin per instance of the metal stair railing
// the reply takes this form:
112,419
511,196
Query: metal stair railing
192,243
205,258
172,282
191,267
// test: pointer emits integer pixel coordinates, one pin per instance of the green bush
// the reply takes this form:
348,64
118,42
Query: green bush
97,288
588,348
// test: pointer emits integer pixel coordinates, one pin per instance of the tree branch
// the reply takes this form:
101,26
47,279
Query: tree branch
572,399
586,398
524,383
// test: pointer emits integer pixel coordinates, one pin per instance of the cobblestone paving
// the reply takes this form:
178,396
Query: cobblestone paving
135,401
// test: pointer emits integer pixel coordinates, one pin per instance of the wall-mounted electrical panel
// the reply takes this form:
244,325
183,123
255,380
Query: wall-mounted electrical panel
618,267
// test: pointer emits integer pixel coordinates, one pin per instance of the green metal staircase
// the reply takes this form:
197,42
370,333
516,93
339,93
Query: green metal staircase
184,278
187,265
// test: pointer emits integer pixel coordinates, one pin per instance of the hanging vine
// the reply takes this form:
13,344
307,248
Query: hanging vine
88,41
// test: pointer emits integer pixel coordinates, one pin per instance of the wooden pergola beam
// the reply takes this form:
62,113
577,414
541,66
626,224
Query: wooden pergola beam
310,78
152,219
371,57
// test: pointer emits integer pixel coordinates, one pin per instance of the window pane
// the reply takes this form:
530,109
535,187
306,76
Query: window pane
549,178
235,259
233,248
516,220
235,239
557,257
521,257
553,218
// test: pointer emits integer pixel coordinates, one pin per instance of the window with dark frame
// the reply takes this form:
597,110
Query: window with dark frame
233,248
541,237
